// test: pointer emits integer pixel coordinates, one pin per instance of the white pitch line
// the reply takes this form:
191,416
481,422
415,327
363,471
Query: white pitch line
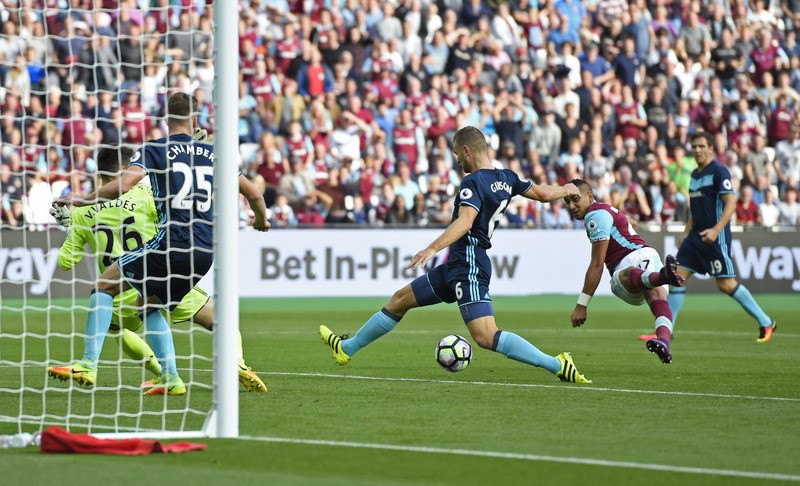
443,331
536,385
534,457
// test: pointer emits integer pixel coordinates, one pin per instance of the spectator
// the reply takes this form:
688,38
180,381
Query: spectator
282,214
768,212
556,216
314,209
399,214
787,159
746,210
789,208
314,77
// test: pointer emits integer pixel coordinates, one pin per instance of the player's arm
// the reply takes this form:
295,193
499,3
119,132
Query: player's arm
457,229
71,251
546,193
114,189
590,282
257,204
710,235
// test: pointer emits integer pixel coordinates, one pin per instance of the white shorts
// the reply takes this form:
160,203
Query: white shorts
646,259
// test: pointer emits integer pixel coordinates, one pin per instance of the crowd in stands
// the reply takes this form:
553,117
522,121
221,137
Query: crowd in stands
347,107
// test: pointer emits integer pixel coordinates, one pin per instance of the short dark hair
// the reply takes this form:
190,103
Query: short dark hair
111,159
582,185
472,137
704,135
181,107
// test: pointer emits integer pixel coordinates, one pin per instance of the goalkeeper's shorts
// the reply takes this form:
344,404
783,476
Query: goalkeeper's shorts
126,315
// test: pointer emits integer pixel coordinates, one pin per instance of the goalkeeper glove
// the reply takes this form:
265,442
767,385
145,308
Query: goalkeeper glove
61,214
200,134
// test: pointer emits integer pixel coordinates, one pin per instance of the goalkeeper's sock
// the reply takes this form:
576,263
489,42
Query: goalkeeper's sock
136,348
98,321
241,352
519,349
379,324
160,339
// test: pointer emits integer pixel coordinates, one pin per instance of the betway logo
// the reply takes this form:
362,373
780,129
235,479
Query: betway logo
28,266
776,263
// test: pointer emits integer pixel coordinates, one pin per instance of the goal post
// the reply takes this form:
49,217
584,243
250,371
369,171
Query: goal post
226,231
43,308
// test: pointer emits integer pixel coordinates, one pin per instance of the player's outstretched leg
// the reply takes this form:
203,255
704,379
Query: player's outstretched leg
78,371
675,299
568,371
766,326
335,343
160,337
250,380
660,348
136,348
670,272
519,349
376,326
642,280
659,343
98,321
247,377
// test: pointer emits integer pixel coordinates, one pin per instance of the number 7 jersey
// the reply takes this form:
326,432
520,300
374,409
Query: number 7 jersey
604,222
110,228
182,175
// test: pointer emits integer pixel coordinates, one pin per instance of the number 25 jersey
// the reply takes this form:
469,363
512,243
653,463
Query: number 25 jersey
182,175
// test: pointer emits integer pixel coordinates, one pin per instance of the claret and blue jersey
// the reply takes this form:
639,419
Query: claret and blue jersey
604,222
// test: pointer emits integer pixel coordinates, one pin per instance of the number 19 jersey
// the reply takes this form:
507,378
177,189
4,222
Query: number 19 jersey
110,228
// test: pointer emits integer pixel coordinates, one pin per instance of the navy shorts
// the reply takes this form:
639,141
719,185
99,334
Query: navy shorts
711,259
167,274
467,284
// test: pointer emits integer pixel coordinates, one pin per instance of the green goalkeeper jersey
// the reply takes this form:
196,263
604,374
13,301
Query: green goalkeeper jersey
110,228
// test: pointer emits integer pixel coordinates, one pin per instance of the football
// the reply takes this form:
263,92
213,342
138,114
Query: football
453,353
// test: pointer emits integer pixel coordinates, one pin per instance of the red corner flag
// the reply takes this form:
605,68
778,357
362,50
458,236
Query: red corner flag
56,439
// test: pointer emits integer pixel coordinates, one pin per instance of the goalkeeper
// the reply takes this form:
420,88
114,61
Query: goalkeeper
111,229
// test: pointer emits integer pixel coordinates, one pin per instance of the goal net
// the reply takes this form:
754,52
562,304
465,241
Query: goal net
78,76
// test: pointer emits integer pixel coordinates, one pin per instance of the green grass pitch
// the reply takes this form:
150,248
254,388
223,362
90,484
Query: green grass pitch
726,411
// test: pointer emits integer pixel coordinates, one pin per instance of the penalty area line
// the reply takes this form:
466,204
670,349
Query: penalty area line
536,385
533,457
